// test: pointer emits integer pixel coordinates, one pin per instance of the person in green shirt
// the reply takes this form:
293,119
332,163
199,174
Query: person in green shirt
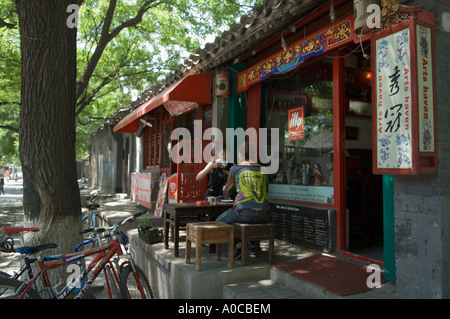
248,181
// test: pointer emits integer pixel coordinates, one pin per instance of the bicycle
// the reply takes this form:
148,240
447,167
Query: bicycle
91,217
132,286
7,246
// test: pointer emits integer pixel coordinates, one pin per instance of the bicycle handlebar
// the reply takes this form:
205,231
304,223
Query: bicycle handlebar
115,226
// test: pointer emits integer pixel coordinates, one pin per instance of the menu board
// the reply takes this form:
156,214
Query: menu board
306,226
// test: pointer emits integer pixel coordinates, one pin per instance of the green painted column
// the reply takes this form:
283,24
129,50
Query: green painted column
388,228
237,102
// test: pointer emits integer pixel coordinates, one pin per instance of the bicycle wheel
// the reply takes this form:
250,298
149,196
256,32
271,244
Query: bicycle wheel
9,289
129,287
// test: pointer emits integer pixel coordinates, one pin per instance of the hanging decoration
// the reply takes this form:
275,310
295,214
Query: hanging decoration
222,85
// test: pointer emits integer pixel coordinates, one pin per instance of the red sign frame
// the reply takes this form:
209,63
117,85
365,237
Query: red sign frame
421,162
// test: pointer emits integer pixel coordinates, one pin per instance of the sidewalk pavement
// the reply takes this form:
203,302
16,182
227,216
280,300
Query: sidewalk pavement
113,210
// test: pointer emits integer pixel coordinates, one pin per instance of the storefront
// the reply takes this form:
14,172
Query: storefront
318,87
356,116
324,194
177,106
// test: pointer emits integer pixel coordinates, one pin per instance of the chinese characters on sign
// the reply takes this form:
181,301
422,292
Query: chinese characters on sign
294,55
425,89
393,101
295,124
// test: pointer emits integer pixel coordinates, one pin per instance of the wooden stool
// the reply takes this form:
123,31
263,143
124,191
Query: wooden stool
209,233
254,232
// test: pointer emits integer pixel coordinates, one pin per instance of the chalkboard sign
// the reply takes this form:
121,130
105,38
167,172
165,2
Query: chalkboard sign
305,226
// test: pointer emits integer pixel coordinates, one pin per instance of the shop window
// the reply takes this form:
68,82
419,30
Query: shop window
300,105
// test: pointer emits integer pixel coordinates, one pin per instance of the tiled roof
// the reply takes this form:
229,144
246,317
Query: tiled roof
266,20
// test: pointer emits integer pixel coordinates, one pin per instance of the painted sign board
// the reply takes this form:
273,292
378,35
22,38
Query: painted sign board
325,40
141,188
296,124
173,188
403,111
159,207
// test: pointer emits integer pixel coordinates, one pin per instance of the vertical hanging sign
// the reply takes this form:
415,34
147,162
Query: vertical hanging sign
404,102
425,89
393,101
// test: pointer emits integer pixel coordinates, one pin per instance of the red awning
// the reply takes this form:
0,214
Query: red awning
181,96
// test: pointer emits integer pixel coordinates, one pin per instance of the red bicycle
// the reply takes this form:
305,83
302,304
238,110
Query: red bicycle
128,279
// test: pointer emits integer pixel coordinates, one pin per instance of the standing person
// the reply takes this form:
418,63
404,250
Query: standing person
251,204
218,173
2,185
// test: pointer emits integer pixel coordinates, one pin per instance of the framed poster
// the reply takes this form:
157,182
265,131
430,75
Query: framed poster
159,207
403,98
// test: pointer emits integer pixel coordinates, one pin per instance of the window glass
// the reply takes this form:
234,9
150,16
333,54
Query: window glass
300,105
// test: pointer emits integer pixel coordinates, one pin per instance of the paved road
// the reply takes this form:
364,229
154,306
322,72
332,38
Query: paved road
11,205
11,215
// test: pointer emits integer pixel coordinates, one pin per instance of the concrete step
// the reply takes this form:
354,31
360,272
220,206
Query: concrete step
281,285
263,289
307,289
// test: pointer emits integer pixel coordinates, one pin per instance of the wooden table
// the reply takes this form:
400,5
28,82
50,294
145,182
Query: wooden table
179,214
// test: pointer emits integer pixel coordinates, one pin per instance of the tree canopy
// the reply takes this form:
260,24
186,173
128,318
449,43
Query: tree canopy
123,48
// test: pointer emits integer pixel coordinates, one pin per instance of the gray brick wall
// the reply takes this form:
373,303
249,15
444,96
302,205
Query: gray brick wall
422,203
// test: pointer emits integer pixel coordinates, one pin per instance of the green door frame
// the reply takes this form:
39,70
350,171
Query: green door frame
388,228
237,102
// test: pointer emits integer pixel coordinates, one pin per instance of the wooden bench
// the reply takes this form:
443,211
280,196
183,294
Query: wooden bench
254,232
209,233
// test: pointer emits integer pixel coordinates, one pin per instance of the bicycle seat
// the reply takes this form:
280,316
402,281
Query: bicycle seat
15,230
92,205
29,250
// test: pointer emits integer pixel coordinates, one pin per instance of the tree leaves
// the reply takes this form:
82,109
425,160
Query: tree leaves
124,47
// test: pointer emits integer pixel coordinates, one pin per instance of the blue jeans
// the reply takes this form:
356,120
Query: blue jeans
247,216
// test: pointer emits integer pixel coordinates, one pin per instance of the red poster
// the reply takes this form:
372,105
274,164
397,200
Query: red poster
296,124
172,184
141,188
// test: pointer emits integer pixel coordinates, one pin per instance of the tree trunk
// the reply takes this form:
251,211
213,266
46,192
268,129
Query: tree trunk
51,195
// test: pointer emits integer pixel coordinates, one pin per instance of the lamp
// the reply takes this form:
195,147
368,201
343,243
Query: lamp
332,12
146,123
